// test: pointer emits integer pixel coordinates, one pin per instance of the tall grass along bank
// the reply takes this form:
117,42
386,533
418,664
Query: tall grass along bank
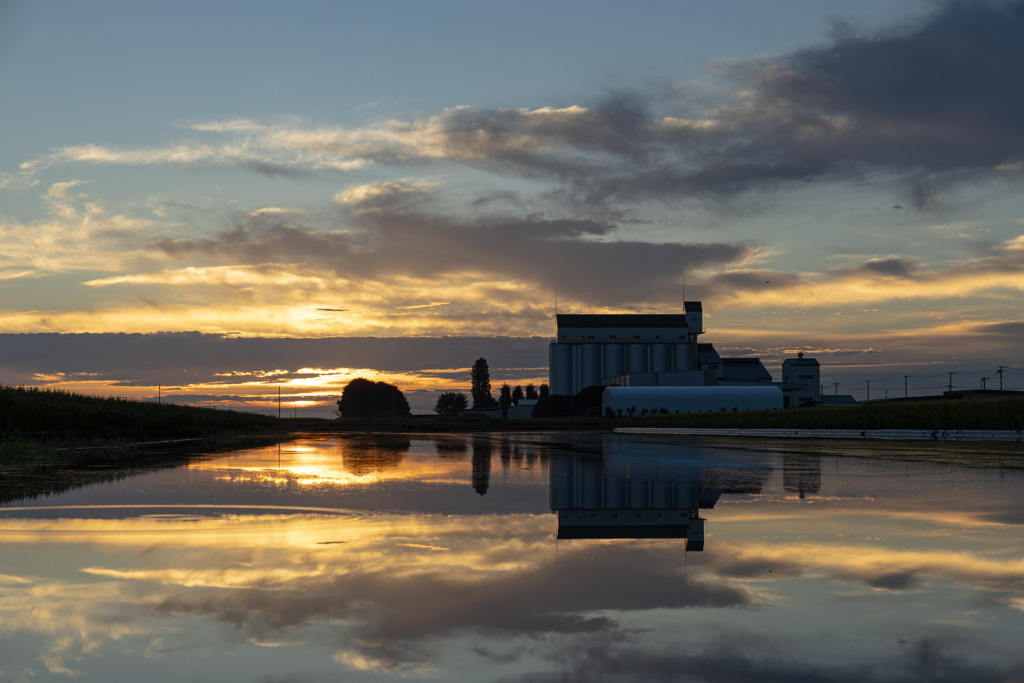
27,412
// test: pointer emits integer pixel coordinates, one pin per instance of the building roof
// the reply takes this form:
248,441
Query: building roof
619,320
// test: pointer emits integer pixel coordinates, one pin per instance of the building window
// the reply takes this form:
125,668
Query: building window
579,337
636,337
590,337
561,337
615,336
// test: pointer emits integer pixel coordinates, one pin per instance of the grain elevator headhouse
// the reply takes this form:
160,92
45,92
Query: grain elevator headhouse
592,349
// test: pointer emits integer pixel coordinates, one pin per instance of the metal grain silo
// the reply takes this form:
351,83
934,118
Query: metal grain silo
686,356
637,358
661,357
590,367
614,360
560,369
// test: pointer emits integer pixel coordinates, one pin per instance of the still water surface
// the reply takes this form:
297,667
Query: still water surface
526,557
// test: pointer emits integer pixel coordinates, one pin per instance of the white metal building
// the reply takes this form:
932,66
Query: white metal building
801,381
653,400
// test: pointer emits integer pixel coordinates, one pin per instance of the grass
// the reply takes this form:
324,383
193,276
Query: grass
995,413
30,413
53,440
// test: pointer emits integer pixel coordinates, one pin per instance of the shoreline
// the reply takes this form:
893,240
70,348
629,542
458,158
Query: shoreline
935,435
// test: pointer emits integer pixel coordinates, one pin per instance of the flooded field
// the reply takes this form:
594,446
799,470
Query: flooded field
526,557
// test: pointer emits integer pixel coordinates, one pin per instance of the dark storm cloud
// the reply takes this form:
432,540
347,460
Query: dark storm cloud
936,104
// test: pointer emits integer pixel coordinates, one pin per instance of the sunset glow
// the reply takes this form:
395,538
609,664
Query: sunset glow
478,173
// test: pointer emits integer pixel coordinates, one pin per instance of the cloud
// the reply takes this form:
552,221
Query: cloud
931,104
217,361
80,233
375,196
890,266
575,256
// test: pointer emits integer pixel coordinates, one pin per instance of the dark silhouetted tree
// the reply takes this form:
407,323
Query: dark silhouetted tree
517,395
451,403
365,398
504,399
554,405
544,391
531,392
480,378
587,403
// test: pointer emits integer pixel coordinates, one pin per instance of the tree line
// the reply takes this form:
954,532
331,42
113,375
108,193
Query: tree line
366,398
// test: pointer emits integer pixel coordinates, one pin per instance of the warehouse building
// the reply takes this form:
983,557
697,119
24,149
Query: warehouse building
662,350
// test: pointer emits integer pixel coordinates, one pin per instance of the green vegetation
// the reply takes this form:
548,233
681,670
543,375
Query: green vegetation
53,441
480,382
366,398
30,414
451,404
982,413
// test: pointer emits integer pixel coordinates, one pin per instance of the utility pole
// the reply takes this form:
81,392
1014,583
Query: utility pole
1000,373
983,380
279,401
905,378
951,381
836,384
869,390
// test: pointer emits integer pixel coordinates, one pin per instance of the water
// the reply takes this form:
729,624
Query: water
526,557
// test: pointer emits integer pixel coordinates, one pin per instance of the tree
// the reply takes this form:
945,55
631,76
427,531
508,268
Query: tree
504,399
587,403
517,395
544,391
451,403
553,405
531,392
365,398
480,377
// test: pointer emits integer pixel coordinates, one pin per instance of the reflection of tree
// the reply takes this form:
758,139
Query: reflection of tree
481,464
451,447
801,473
366,454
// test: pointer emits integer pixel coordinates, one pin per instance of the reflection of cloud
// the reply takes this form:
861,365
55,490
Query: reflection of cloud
495,575
398,594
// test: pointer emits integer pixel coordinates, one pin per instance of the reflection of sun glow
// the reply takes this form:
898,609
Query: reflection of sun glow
332,462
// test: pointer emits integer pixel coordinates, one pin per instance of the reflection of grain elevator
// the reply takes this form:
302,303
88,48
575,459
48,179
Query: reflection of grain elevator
641,490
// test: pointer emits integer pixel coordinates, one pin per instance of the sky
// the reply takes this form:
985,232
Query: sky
215,202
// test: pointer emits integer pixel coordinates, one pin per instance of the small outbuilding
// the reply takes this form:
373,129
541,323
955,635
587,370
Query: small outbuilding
689,399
